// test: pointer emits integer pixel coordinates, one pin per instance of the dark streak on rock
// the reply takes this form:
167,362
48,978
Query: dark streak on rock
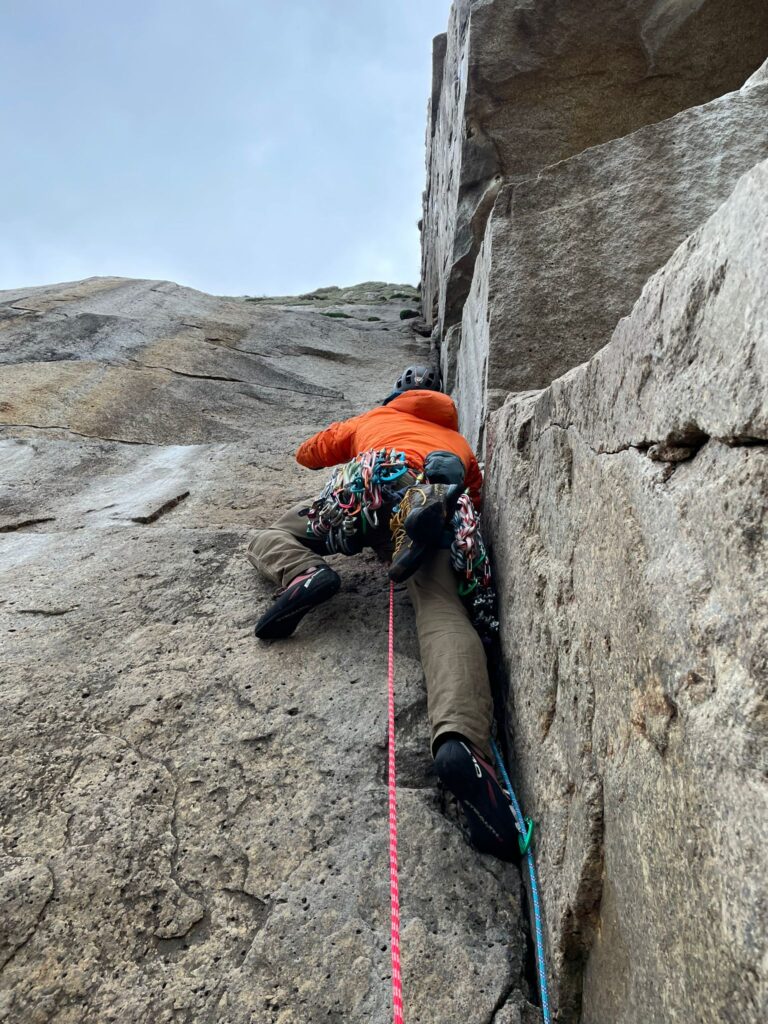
13,527
47,611
314,392
161,510
77,433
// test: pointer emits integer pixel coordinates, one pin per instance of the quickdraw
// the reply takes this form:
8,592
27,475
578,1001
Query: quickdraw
470,561
349,503
468,553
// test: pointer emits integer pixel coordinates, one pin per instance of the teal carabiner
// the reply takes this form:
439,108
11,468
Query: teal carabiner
387,478
524,841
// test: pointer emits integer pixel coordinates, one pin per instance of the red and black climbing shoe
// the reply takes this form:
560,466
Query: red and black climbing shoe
417,525
467,773
303,593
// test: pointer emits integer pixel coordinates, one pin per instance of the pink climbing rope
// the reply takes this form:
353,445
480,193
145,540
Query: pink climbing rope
394,893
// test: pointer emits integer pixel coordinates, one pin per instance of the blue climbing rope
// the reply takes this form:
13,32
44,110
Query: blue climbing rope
525,828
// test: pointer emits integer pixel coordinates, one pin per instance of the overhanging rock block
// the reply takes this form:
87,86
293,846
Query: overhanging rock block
566,254
521,84
626,507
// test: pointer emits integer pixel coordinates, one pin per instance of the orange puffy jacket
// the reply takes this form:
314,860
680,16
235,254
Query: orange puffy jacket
416,422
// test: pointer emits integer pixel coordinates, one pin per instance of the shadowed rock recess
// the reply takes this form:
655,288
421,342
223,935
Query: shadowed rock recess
193,823
588,162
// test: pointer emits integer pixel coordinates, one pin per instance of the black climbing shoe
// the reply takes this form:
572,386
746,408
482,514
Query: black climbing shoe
309,588
467,773
417,525
431,512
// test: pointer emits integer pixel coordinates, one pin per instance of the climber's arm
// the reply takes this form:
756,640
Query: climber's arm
329,447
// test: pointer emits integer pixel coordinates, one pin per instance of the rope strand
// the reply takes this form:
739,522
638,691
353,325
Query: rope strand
394,893
517,814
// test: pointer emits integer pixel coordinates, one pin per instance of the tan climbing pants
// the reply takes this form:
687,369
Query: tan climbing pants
452,654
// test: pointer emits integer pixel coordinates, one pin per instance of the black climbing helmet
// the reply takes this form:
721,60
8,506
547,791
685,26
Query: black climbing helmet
424,378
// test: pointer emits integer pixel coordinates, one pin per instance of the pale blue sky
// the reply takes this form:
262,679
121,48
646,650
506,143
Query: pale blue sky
237,146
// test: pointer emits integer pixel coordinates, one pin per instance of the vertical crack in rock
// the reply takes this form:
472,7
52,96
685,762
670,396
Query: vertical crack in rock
27,889
501,1002
651,596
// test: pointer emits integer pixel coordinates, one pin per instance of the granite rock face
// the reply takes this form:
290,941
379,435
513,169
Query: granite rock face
627,507
194,823
518,85
566,254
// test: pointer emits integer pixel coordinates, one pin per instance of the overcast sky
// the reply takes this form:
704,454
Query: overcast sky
237,146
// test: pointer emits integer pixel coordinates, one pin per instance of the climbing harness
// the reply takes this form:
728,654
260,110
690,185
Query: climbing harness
394,892
525,828
350,502
470,561
365,494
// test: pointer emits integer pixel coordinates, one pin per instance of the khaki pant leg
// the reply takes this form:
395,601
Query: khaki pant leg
284,550
452,655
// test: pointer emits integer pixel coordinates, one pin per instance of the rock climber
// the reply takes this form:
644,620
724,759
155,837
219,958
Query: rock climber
417,424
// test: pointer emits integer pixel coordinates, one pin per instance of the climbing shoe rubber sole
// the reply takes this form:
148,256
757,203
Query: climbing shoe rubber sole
471,778
408,561
425,525
422,526
302,594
